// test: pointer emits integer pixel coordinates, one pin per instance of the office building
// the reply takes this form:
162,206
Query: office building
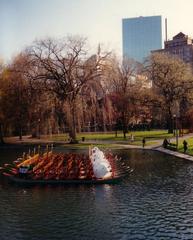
181,46
140,36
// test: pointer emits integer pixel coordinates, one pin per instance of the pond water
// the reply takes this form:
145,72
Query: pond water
155,201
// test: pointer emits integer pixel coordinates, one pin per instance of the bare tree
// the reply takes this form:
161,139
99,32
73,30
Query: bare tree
122,87
1,104
64,68
171,79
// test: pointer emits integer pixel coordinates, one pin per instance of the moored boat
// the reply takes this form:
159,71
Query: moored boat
58,168
31,182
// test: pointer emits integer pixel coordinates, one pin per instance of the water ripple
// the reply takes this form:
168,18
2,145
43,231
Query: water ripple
154,202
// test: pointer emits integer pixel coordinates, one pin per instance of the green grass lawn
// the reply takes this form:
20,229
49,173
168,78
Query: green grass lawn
150,136
138,135
139,143
190,146
87,145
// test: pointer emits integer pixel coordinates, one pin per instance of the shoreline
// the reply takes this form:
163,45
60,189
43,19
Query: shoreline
14,142
175,153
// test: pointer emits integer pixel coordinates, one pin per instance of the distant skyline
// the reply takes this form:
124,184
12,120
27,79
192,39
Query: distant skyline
23,21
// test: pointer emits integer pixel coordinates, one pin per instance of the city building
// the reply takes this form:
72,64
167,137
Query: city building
140,36
181,46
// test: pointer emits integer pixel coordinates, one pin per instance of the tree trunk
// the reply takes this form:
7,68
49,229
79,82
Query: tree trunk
170,121
1,134
116,128
104,125
20,133
116,133
72,132
124,124
124,134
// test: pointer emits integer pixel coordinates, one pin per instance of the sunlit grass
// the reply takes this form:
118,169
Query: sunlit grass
87,145
190,146
138,136
139,143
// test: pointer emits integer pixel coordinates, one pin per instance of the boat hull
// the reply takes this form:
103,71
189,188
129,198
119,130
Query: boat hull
22,181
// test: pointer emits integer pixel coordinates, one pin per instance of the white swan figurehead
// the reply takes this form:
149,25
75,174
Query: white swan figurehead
101,165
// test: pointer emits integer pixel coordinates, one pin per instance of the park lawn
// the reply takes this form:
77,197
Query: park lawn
138,136
154,134
190,146
87,145
139,143
107,145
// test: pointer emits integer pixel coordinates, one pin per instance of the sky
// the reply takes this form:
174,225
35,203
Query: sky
23,21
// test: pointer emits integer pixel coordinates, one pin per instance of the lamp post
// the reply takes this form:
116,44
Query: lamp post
176,129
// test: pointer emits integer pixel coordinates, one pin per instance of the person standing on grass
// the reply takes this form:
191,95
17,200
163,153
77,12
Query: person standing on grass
185,146
132,138
143,142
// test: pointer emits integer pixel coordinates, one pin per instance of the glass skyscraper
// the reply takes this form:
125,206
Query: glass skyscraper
140,36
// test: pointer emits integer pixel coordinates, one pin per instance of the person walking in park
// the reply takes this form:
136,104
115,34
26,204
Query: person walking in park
185,146
143,142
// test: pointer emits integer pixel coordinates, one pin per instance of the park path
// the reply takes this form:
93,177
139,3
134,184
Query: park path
173,153
122,144
158,142
30,140
45,140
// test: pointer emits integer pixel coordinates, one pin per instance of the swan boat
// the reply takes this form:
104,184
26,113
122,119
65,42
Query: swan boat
59,168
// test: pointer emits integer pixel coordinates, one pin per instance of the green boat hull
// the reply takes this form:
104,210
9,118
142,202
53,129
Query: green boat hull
23,181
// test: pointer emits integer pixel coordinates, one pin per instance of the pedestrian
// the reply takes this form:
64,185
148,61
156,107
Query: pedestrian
143,142
132,138
165,143
185,146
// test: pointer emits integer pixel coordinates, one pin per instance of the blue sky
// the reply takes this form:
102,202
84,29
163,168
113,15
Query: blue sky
23,21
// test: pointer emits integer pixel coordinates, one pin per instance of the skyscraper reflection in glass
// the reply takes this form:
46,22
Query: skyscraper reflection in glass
140,36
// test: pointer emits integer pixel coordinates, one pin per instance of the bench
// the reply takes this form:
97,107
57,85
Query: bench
172,146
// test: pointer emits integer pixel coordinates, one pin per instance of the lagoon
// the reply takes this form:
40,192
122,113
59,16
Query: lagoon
155,201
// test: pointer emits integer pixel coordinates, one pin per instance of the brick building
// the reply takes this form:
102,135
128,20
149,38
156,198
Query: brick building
181,46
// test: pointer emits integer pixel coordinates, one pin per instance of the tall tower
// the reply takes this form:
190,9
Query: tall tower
140,36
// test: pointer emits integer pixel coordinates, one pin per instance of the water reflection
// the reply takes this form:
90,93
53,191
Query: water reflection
155,201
